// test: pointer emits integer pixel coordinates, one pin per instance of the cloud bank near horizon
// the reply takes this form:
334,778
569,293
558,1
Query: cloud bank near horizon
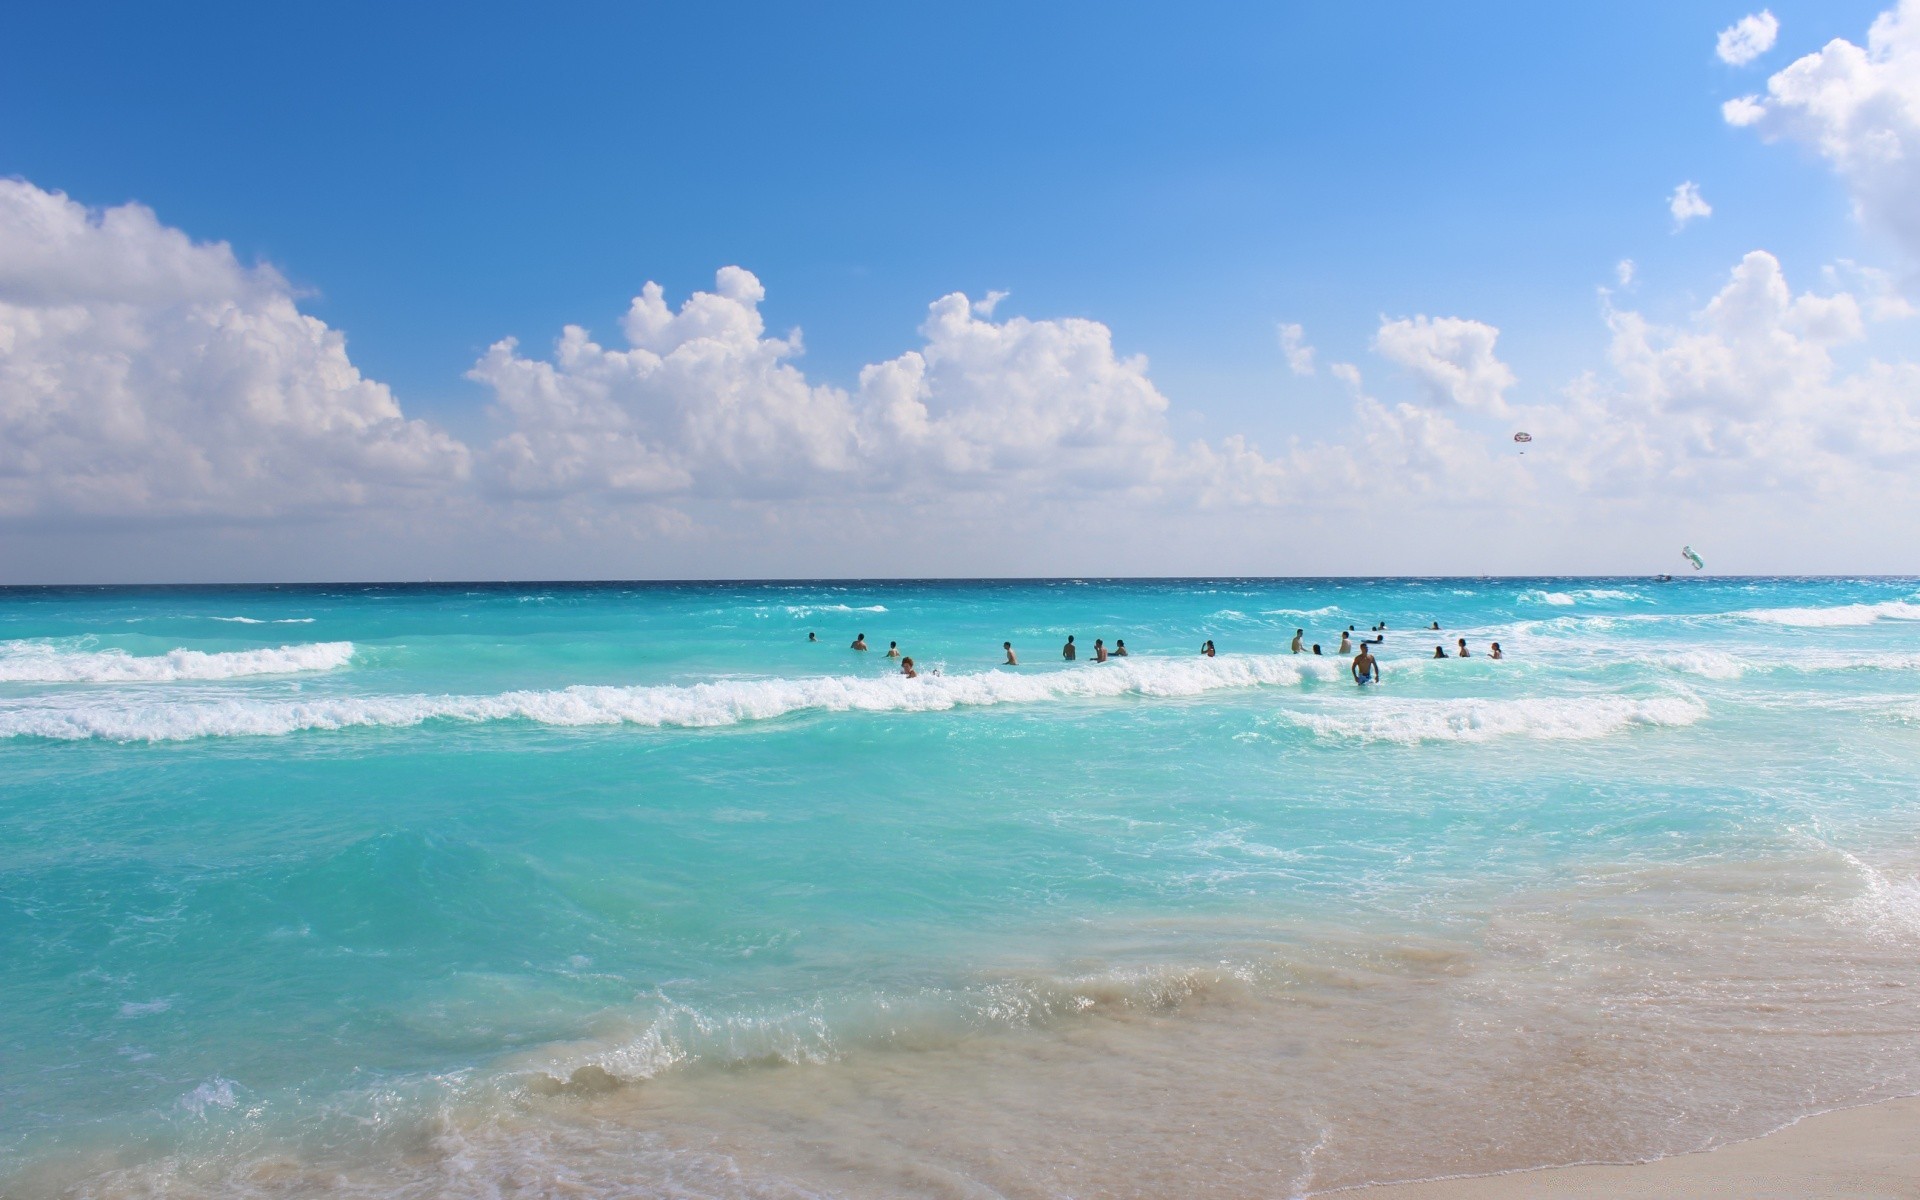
147,379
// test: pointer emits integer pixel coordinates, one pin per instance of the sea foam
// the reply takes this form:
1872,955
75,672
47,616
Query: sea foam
1835,615
725,702
1549,718
43,662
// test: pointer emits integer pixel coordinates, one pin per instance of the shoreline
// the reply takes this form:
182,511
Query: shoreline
1867,1152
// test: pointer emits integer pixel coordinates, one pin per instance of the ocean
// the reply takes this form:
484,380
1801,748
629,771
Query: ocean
630,889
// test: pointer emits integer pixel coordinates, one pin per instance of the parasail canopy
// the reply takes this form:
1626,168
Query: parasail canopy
1687,553
1522,437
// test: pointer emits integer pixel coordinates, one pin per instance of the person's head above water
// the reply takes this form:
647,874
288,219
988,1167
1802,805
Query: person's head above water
1006,645
1460,641
1439,651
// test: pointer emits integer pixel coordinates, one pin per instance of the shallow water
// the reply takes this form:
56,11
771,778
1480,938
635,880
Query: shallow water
632,890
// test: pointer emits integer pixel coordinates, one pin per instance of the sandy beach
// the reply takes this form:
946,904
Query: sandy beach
1861,1153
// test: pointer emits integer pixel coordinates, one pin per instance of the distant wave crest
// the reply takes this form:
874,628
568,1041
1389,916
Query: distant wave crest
43,662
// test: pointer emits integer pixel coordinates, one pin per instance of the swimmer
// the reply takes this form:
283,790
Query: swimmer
1299,640
859,642
906,668
811,637
1346,643
1496,651
1208,648
1463,649
1439,651
1365,667
893,649
1120,647
1316,647
1011,660
1435,625
1067,651
1099,650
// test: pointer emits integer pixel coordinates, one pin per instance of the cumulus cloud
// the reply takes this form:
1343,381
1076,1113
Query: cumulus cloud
1686,204
986,304
1748,38
1859,109
1453,358
143,374
1293,343
1747,397
703,402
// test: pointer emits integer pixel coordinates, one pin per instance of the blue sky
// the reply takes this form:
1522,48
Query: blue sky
432,180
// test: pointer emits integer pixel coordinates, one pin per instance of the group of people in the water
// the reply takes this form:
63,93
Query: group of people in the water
1364,667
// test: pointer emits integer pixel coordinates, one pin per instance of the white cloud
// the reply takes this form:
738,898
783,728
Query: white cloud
700,401
1746,399
1686,204
703,403
1748,38
1293,343
1858,108
986,304
143,374
1624,271
1453,357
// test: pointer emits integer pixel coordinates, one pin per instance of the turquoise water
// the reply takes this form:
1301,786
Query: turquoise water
429,890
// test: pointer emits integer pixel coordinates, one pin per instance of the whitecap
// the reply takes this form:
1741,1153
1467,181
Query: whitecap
723,702
1548,718
1835,615
46,662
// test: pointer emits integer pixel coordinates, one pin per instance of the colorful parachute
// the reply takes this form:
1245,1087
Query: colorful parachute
1687,553
1522,437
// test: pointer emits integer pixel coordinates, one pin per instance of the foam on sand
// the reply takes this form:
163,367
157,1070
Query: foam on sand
725,702
45,662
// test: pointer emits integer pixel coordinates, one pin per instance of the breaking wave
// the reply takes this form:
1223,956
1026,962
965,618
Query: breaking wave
1547,718
1840,614
726,702
43,662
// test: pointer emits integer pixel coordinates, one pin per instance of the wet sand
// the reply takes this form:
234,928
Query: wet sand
1857,1154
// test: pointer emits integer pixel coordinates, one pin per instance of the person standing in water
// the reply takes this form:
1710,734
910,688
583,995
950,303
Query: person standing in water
1099,650
1011,660
1067,651
1316,647
1207,649
1365,667
1346,643
859,642
1439,651
893,649
1463,649
1299,640
1120,647
906,668
1496,651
